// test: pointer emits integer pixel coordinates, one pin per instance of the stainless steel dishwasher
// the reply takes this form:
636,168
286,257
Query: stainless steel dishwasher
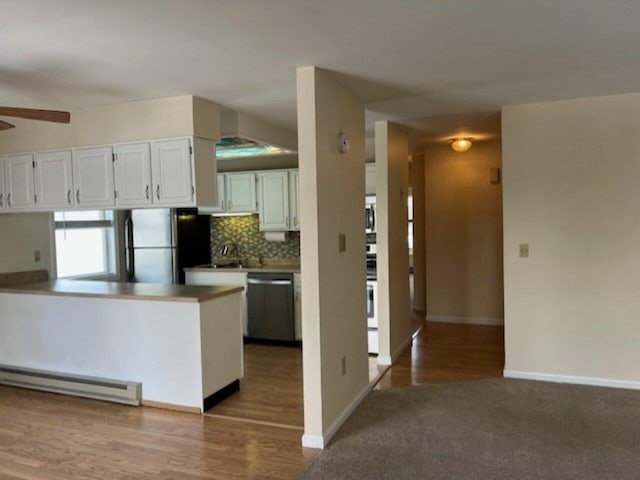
270,306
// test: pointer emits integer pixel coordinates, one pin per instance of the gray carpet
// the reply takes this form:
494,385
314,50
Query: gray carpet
488,429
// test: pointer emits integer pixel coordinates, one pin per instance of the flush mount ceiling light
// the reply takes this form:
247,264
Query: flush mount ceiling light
461,144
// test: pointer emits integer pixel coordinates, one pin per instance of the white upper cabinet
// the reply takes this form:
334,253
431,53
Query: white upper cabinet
370,178
294,199
132,168
19,182
172,177
273,201
93,177
240,192
221,204
3,197
54,179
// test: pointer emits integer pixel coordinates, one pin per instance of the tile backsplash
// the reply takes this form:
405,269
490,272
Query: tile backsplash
244,231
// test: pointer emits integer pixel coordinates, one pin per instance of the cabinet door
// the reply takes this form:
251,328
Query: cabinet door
294,199
133,175
93,177
19,182
274,200
54,179
172,173
240,190
221,205
3,198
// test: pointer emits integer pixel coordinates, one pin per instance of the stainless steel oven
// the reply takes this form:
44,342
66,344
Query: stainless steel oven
370,215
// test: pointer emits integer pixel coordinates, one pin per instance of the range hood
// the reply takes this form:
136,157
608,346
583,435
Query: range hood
245,136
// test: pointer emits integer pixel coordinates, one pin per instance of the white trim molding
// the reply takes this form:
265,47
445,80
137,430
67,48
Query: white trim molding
390,360
592,381
316,441
468,320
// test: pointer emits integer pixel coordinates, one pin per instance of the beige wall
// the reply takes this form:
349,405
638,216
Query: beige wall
145,120
571,177
464,235
333,282
20,236
392,188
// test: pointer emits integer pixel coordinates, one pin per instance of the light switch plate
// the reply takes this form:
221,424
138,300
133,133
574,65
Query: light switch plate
342,243
524,250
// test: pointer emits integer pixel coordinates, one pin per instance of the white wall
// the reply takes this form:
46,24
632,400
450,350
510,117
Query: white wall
464,235
392,190
571,191
331,203
20,236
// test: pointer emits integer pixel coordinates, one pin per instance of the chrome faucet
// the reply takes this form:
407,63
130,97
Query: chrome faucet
225,249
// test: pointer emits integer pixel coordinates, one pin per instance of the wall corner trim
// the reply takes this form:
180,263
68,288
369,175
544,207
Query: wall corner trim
390,360
468,320
316,441
573,380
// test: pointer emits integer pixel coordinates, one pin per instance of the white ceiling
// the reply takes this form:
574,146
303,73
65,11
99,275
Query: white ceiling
438,66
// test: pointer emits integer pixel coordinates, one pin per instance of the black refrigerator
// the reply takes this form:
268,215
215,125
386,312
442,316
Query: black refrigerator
160,243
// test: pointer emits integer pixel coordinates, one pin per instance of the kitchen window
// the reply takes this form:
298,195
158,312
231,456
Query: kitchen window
85,244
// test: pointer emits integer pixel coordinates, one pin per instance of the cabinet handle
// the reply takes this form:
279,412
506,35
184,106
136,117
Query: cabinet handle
146,192
9,199
295,221
78,196
69,197
1,204
287,222
158,191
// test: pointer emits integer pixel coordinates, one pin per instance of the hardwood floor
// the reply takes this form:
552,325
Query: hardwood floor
447,352
48,436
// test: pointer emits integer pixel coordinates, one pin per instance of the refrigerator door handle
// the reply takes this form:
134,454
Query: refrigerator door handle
129,252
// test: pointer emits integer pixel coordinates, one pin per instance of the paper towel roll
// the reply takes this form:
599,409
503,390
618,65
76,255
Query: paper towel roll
275,236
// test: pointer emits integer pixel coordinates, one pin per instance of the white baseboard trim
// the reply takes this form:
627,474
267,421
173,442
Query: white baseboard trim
390,360
469,320
592,381
315,441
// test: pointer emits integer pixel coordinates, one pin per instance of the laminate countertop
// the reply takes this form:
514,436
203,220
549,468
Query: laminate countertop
121,290
264,269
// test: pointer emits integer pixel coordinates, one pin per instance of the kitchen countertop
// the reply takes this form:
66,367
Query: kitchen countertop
118,290
264,268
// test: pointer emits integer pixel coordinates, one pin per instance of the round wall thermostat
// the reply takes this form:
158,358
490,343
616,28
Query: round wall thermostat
343,143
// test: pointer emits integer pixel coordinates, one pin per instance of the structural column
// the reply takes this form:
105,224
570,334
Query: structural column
334,330
392,189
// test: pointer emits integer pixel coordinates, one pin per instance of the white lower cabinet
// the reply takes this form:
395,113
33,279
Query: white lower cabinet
222,278
297,292
19,182
53,172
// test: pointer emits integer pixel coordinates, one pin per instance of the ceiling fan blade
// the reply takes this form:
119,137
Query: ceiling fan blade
35,114
5,125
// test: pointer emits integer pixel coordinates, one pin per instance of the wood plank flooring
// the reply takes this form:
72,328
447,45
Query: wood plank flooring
447,352
48,436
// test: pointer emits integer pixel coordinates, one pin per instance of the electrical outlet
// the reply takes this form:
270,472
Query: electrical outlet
342,243
37,256
524,250
344,365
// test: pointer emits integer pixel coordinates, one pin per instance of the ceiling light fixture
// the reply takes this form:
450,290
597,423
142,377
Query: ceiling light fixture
461,144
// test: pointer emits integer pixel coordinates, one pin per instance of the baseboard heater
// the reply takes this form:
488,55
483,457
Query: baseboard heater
129,393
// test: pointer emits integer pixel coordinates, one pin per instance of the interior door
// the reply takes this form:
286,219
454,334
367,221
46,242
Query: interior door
19,182
54,179
133,174
93,177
